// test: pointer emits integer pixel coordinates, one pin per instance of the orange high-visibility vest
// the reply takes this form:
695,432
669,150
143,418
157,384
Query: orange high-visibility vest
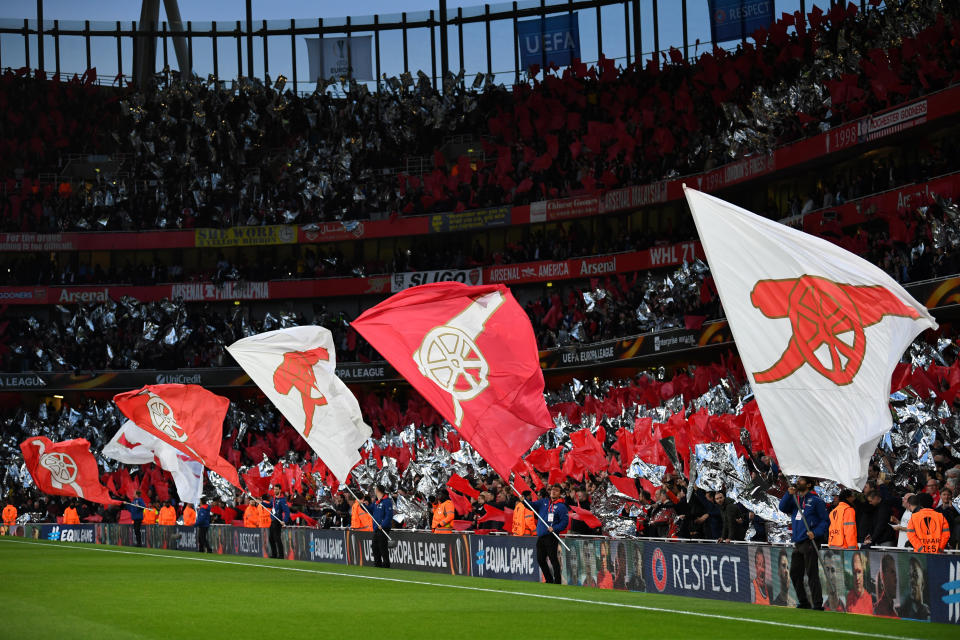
524,521
443,515
70,516
9,515
150,516
189,516
250,519
843,527
168,516
359,520
928,532
263,516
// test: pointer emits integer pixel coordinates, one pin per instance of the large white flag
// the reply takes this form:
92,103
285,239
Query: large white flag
820,331
132,445
296,369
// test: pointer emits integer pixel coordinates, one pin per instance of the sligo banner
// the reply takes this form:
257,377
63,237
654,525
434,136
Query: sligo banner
401,281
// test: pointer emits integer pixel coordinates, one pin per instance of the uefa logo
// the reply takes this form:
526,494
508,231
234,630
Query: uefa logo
658,568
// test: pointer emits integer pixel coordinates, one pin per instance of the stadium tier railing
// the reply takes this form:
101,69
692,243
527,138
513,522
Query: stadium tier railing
893,582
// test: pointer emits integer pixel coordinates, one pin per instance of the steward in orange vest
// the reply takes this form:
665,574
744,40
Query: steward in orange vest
70,515
360,520
150,515
189,516
842,533
168,515
263,516
524,520
9,515
928,531
443,513
250,519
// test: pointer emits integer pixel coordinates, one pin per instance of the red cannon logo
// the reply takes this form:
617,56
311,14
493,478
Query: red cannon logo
828,320
296,371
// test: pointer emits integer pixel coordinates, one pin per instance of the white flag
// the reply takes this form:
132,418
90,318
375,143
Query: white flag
820,331
296,369
132,445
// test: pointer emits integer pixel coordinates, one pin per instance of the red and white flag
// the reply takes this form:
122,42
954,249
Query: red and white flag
185,416
820,331
65,469
296,369
471,352
132,445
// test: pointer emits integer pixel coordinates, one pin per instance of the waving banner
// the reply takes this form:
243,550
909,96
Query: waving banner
132,445
184,416
471,352
819,331
65,469
296,369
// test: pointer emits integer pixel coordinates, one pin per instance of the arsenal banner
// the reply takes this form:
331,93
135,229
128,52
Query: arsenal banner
132,445
186,417
65,469
471,352
296,369
819,331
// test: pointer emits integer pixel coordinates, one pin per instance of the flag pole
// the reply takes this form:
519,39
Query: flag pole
364,507
270,511
539,517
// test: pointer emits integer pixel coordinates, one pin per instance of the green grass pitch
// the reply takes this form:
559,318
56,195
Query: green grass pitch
57,590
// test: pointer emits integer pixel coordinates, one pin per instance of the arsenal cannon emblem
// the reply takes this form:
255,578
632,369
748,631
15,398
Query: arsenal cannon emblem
828,321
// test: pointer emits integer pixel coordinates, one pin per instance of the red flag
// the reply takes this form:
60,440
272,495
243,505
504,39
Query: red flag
460,504
471,353
461,485
492,514
626,486
65,469
521,485
185,416
462,525
585,516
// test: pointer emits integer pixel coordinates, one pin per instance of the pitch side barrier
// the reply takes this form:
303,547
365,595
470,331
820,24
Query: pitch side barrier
884,581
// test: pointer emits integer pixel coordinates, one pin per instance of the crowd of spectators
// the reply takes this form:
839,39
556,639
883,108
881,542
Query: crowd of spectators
413,452
194,153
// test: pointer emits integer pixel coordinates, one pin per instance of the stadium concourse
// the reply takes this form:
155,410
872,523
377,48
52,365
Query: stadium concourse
145,272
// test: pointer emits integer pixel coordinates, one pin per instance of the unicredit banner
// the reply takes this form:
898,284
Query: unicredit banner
889,583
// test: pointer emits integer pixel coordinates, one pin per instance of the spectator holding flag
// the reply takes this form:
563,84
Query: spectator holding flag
136,509
203,526
553,519
382,513
281,517
806,510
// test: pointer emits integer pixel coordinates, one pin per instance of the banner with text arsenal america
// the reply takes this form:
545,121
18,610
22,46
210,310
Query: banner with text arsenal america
471,352
819,331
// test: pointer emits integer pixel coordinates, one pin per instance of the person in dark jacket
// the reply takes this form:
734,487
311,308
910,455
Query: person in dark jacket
713,523
806,508
203,526
281,518
879,532
382,513
553,520
734,520
136,514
